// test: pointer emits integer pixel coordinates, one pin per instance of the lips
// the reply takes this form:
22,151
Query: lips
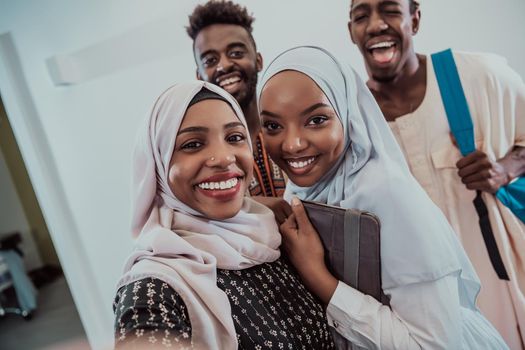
229,82
219,185
301,165
382,50
222,187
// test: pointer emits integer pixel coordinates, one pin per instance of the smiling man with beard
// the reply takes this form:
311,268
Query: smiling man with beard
404,84
226,55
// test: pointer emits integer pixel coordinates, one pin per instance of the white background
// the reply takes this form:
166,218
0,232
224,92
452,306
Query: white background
126,52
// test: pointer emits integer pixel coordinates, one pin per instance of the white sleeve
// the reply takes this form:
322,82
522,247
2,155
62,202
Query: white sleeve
422,316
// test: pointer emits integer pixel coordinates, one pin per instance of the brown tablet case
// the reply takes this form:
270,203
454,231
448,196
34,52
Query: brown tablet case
351,239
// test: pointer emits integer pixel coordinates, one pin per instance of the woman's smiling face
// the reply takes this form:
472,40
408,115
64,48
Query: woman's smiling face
302,132
212,162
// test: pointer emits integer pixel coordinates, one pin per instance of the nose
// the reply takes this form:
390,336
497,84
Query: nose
376,24
293,142
221,157
224,64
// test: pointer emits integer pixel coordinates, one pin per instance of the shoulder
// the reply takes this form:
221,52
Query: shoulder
147,310
487,68
149,288
479,59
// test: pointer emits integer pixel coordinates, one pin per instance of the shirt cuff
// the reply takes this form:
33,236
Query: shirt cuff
344,306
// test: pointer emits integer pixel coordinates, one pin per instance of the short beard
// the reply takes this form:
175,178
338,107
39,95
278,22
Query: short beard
384,79
246,97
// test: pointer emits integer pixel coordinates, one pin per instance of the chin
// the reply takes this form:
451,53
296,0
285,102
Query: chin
383,71
304,181
384,75
222,216
222,212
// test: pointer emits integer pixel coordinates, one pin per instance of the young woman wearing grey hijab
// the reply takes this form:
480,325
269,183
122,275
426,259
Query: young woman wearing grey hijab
323,127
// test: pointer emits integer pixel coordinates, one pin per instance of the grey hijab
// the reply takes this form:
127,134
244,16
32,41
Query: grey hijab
417,243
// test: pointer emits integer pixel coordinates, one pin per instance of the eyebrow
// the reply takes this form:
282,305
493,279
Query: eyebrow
389,3
235,44
193,129
303,113
234,125
367,6
270,114
313,108
204,129
358,7
229,47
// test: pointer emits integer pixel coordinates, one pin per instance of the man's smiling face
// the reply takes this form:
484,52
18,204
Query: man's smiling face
383,30
226,56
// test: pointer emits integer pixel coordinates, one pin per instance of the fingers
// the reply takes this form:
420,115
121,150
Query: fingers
286,208
474,163
300,213
289,226
283,211
470,158
289,233
481,175
280,217
487,186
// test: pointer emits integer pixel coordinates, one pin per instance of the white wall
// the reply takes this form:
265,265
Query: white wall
13,218
87,129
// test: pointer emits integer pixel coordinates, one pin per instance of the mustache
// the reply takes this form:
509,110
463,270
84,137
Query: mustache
388,31
217,75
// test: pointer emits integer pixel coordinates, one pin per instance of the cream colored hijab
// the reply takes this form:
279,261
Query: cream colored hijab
180,246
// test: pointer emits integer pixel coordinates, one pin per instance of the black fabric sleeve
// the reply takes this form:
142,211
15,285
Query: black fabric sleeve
150,314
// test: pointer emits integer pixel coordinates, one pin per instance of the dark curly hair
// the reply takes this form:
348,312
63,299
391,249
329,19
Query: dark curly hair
413,5
219,12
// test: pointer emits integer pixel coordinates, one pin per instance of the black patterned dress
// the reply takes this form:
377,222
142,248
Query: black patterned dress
271,309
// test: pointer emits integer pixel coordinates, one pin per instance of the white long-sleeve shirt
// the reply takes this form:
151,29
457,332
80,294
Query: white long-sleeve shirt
421,316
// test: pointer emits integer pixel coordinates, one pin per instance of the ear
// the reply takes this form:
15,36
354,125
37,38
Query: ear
259,62
350,31
416,19
197,74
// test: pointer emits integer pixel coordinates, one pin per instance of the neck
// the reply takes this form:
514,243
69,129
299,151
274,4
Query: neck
252,118
413,74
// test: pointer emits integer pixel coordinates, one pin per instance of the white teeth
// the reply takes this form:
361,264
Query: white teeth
229,81
382,45
222,185
300,164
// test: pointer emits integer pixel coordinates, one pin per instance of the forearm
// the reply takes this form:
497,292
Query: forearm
425,315
320,282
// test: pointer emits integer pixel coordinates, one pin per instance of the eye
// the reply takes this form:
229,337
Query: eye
271,126
237,53
359,17
236,138
317,120
191,146
208,61
393,12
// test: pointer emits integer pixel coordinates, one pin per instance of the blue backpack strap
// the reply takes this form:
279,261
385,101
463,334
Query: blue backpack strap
460,123
454,100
